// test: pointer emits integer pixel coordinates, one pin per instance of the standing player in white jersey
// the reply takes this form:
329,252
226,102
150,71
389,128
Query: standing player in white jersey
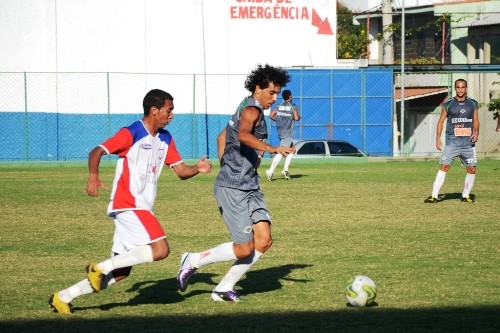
285,115
241,202
143,148
462,131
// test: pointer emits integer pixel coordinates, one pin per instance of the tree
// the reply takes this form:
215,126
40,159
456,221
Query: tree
351,39
494,104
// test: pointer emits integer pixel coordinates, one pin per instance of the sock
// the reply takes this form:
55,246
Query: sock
223,252
136,256
274,164
441,175
239,268
288,160
82,288
469,182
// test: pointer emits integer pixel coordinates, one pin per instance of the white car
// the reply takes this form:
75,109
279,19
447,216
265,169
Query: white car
326,148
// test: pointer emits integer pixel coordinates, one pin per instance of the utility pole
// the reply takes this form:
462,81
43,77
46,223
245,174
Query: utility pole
388,50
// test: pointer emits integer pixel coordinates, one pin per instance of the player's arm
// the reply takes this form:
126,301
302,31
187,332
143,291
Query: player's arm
184,171
273,114
296,115
93,183
439,128
475,126
248,119
221,143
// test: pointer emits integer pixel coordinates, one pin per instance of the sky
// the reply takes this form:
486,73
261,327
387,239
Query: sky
362,5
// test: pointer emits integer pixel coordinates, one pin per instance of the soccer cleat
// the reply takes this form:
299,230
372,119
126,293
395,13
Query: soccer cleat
431,199
467,199
59,306
226,296
185,272
286,175
95,276
269,175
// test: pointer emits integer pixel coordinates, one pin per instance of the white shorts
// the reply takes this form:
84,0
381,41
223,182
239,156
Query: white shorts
135,228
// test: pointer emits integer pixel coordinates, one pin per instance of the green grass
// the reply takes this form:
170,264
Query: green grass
437,266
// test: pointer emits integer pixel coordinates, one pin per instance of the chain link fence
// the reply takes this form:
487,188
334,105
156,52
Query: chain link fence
62,116
424,94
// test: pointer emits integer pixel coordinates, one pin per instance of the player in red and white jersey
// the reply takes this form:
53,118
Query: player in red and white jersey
143,148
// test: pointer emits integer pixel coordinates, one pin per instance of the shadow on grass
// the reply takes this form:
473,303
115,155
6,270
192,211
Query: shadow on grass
454,196
164,292
465,319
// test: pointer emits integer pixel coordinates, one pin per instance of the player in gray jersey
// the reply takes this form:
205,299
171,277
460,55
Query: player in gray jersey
241,202
462,131
285,115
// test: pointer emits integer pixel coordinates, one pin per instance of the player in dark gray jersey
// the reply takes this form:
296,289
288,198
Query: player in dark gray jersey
241,202
462,131
285,115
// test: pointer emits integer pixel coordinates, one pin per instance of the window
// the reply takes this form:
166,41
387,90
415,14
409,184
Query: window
342,148
312,148
494,41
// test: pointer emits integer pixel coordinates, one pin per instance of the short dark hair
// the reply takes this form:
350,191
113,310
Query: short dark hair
263,75
460,80
157,98
286,94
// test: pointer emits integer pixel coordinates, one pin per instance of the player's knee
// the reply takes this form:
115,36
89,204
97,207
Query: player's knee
160,252
243,250
471,170
262,244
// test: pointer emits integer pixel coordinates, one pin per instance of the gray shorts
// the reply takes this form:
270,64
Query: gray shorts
240,210
286,142
467,155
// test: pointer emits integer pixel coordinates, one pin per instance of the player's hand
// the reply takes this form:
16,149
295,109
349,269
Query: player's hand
203,165
439,145
474,137
285,151
93,185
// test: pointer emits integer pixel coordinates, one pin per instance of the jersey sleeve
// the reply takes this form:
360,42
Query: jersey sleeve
173,157
118,144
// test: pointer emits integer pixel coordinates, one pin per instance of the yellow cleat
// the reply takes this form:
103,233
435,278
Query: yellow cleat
59,306
467,199
95,276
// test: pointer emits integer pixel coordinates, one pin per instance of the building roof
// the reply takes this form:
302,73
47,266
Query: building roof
482,19
412,93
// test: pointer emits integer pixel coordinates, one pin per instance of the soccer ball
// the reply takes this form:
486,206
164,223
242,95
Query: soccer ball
361,291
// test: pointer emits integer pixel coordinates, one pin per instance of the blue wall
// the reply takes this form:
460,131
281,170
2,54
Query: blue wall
352,104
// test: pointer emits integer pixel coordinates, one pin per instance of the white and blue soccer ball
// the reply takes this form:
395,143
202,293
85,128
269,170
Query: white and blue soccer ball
361,291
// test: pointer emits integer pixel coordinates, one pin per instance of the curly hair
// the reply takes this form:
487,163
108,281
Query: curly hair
263,75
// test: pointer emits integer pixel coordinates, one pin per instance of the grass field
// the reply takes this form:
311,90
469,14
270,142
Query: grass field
437,266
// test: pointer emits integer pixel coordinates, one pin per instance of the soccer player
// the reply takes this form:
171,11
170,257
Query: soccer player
241,202
462,131
143,148
285,115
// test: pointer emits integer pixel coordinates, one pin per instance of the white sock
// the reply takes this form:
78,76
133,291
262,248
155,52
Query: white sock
136,256
288,160
239,268
222,252
469,182
82,288
438,183
274,164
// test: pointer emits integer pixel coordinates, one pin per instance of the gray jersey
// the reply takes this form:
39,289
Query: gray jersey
459,124
238,163
284,120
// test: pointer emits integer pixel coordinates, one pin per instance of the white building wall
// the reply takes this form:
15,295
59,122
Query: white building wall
165,36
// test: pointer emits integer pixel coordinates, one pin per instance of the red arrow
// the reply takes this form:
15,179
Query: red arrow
323,26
